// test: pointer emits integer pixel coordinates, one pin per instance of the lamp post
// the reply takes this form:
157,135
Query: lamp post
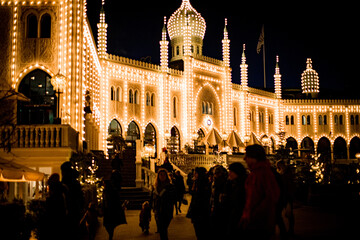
58,81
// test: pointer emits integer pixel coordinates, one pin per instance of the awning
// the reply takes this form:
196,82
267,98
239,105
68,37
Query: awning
13,95
234,140
253,140
212,138
14,172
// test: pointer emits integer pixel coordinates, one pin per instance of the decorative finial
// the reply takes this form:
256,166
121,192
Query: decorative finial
102,2
164,20
225,22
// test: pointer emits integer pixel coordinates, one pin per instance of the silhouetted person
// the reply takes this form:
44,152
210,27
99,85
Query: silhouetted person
180,190
262,195
167,165
199,206
74,200
145,217
91,221
116,177
234,199
55,210
163,199
114,213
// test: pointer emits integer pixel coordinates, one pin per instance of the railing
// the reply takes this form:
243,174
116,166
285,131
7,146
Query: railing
42,136
149,178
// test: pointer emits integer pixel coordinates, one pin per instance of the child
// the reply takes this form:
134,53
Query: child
145,217
91,219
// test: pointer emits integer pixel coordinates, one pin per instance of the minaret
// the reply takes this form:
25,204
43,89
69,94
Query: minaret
245,131
102,33
277,78
164,49
279,126
228,121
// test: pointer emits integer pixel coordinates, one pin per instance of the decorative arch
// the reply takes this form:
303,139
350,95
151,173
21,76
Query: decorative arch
291,143
133,131
150,137
216,96
307,147
42,108
324,148
115,128
45,25
340,148
29,69
174,142
354,147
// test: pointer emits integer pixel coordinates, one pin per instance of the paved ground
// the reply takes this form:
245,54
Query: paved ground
331,222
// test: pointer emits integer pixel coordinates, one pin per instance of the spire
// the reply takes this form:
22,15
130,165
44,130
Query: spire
243,69
225,30
277,79
102,33
164,49
164,30
226,47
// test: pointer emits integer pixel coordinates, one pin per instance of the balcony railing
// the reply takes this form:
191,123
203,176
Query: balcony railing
41,136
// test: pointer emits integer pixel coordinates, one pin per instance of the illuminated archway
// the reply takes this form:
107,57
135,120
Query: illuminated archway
150,138
133,132
340,148
354,147
173,143
324,148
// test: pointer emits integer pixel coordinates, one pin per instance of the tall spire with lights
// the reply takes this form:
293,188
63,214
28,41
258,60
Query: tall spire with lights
227,109
277,78
244,71
226,46
164,49
244,106
102,33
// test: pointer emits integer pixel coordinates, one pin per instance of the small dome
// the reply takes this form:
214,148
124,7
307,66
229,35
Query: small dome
309,79
184,15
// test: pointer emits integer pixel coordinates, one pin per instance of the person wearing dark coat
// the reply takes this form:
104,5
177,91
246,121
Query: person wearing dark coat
198,210
114,214
180,190
163,200
234,199
167,165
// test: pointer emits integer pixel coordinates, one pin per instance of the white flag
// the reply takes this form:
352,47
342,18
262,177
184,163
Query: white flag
261,40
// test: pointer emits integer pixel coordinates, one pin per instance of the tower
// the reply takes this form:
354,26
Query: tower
245,131
102,33
228,120
279,112
310,80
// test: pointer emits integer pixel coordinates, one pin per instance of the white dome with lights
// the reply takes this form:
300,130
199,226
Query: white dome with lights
184,16
309,79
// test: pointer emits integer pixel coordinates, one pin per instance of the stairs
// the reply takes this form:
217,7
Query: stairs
135,196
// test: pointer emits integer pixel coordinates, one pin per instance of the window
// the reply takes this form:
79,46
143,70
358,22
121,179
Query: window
147,99
197,50
287,120
336,119
207,108
32,26
352,120
203,107
136,97
308,119
177,50
325,120
341,119
131,96
320,120
174,107
357,119
152,100
303,118
112,94
117,94
292,120
234,116
211,108
45,26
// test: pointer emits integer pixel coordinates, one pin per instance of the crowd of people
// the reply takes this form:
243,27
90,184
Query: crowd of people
234,203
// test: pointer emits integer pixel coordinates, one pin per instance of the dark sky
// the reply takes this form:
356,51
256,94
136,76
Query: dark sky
294,30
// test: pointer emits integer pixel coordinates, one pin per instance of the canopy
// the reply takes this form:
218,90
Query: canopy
14,172
234,140
253,140
212,138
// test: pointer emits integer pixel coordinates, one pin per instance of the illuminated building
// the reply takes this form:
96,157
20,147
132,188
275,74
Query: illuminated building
168,105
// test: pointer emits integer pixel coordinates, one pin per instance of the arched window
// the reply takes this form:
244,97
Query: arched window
32,26
41,109
234,116
303,118
308,120
287,120
292,120
131,96
112,94
117,94
136,97
174,107
320,120
352,120
203,107
207,108
152,99
177,50
147,99
325,120
341,119
45,26
336,119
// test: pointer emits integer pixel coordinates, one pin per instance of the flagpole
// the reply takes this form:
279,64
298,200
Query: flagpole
264,58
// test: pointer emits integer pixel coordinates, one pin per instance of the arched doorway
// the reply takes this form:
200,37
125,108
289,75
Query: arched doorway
42,107
340,148
115,141
133,132
324,148
150,140
307,148
173,143
354,147
199,148
291,143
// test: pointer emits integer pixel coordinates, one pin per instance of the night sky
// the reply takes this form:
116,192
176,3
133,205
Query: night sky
294,30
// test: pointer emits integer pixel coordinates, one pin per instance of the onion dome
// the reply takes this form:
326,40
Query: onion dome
309,79
186,15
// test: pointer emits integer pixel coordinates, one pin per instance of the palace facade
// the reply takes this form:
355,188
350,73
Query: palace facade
79,94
